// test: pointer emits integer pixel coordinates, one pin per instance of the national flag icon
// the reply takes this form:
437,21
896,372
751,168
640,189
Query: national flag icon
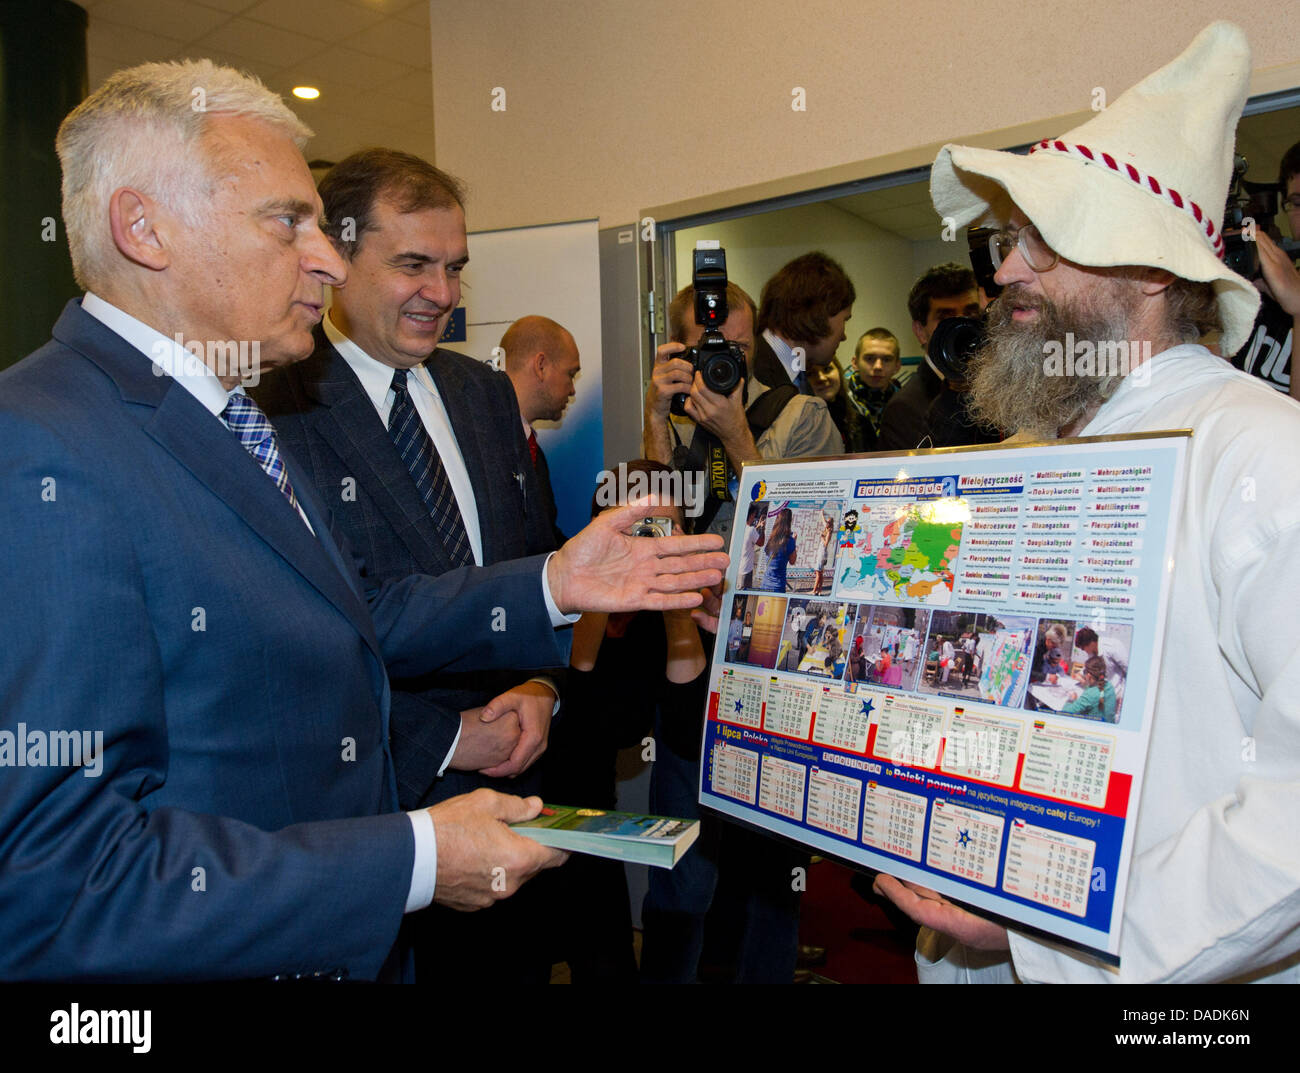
1039,725
1018,824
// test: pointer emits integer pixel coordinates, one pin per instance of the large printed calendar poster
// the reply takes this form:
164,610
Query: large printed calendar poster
943,664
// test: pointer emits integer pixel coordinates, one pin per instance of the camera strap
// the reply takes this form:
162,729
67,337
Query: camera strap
707,455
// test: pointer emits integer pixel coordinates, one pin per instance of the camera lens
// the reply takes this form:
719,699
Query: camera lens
953,343
721,374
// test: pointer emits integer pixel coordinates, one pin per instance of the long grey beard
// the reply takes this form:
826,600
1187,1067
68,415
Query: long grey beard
1012,387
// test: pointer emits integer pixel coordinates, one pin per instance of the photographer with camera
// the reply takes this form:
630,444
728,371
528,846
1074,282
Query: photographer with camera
1269,264
749,873
761,413
929,411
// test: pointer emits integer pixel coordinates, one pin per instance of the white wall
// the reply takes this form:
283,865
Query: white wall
612,107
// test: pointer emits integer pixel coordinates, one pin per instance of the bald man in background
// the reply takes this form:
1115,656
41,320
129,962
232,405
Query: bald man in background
542,362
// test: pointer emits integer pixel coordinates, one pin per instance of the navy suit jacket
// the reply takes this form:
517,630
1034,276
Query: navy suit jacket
322,413
160,590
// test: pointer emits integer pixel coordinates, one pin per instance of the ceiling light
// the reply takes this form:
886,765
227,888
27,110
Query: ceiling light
306,93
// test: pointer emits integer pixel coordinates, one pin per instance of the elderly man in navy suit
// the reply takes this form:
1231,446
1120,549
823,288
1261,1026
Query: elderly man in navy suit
177,585
421,453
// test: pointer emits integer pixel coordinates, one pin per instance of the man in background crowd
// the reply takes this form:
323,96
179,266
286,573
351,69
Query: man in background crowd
1267,353
947,290
872,381
542,362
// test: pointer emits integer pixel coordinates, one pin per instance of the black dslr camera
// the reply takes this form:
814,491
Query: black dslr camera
956,339
720,363
1248,201
953,344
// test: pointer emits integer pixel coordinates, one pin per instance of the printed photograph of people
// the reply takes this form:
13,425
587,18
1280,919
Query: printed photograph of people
797,554
979,656
887,646
755,538
815,640
754,630
1049,670
1098,671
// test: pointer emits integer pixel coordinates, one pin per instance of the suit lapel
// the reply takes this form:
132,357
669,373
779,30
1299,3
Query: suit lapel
480,446
349,423
214,456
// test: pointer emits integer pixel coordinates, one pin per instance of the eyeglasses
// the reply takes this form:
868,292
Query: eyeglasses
1038,254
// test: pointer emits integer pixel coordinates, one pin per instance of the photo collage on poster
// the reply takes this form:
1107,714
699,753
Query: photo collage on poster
944,679
825,561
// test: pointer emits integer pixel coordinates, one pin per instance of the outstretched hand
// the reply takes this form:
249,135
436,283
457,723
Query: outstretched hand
605,569
1280,274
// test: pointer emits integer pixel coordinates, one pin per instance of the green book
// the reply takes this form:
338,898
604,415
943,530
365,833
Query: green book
626,836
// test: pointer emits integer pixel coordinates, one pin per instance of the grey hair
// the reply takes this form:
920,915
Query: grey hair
142,129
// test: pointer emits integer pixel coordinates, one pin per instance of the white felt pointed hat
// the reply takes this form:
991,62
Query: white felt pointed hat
1145,182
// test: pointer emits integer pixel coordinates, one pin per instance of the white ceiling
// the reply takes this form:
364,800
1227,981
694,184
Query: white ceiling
371,59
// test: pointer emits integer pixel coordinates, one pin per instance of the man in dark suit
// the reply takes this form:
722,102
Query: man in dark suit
340,413
541,359
176,586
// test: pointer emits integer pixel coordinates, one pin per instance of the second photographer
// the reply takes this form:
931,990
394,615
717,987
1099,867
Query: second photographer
770,415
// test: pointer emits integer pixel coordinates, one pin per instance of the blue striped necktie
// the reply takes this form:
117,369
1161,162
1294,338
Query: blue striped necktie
254,430
430,476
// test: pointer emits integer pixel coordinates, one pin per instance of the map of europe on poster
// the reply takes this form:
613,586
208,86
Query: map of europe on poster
899,554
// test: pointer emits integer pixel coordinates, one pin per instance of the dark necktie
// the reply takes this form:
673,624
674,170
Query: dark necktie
254,430
532,447
428,472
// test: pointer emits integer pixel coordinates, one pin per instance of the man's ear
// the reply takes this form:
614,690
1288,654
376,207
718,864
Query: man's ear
918,329
1155,280
133,218
539,364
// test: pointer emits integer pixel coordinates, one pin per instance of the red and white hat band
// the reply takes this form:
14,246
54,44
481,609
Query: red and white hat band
1146,182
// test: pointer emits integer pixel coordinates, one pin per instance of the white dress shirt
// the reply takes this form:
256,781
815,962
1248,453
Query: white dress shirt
377,382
